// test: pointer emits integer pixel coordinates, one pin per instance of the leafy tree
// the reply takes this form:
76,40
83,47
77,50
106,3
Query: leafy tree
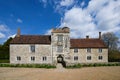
110,40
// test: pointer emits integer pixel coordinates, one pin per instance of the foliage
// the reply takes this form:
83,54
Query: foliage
92,65
110,40
4,51
28,65
114,56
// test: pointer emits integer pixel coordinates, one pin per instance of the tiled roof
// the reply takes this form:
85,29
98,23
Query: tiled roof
32,39
46,39
87,43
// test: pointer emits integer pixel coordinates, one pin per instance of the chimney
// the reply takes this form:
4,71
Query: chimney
99,35
87,37
18,32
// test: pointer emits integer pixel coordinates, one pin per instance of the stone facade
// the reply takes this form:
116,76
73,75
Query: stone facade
56,48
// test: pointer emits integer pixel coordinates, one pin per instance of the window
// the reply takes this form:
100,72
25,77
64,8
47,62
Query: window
32,48
75,58
60,38
60,48
89,50
18,58
88,57
44,58
75,50
32,58
100,57
100,50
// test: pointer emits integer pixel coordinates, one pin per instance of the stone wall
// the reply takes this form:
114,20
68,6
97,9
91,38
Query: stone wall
23,50
82,56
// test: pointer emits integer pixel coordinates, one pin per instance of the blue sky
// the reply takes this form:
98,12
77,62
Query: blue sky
83,17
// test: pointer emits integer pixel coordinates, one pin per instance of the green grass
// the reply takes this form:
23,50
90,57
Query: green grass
47,66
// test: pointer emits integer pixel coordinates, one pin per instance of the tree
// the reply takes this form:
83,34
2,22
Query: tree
110,40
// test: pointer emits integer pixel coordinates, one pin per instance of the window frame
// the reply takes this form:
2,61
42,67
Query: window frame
88,50
76,50
89,57
18,58
60,38
32,48
75,58
60,48
44,58
100,57
100,50
32,58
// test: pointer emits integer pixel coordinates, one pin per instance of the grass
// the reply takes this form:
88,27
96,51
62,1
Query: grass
47,66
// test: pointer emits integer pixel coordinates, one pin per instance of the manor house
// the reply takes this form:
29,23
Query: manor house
57,47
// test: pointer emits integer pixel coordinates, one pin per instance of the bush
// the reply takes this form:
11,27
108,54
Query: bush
29,65
92,65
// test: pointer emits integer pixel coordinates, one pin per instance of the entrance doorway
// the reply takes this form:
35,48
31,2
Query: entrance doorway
59,59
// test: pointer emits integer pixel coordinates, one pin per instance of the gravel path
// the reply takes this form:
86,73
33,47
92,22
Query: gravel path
91,73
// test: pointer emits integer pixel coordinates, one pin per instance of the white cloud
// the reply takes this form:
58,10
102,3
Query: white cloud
99,15
48,32
3,27
19,20
2,35
44,2
66,2
12,36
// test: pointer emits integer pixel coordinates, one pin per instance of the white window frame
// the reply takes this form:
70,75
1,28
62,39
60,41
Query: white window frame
18,58
32,58
76,50
90,58
31,47
44,58
75,58
100,57
100,50
88,50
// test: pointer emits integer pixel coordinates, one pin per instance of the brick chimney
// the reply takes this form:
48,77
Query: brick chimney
87,37
18,32
99,35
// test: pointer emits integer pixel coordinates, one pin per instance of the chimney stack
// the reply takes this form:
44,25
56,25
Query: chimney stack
18,32
99,35
87,37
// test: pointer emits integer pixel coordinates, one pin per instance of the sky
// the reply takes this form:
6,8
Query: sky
38,17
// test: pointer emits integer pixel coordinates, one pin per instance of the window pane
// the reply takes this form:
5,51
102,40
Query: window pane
33,48
100,57
32,58
60,49
18,58
89,50
75,58
75,50
100,50
60,38
88,57
44,58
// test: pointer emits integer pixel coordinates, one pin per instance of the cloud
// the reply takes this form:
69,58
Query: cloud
12,36
44,2
19,20
99,15
66,2
2,35
3,30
